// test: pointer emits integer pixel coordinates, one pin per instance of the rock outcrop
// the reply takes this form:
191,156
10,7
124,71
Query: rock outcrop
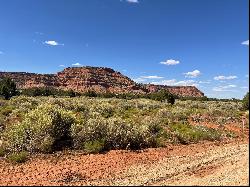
98,79
184,91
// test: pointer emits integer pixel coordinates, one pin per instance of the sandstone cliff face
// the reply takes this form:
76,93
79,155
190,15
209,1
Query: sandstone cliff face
184,91
28,80
98,79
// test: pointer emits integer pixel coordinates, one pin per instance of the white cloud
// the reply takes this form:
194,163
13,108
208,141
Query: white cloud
1,52
170,62
174,82
245,42
152,77
187,83
132,1
52,42
224,88
139,79
230,86
77,64
193,74
204,82
144,78
61,65
170,82
222,77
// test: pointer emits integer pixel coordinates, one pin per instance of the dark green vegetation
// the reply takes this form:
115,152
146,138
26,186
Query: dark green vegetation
162,95
96,146
7,88
246,101
94,124
2,152
34,92
19,157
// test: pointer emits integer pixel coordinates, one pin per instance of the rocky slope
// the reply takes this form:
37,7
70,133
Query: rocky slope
98,79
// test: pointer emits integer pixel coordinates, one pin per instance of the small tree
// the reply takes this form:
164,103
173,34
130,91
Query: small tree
171,99
7,88
72,93
90,93
246,101
162,95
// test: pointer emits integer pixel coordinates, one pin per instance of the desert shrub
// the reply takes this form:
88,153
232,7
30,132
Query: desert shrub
2,151
43,129
106,95
90,93
86,131
117,133
231,134
126,96
105,109
125,135
48,91
16,101
23,104
246,116
2,102
95,146
2,123
204,98
174,115
190,134
245,102
158,134
45,124
6,110
33,92
18,157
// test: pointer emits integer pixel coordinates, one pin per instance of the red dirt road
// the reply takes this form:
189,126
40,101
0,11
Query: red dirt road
207,163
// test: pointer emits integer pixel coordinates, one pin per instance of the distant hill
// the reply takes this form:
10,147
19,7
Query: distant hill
98,79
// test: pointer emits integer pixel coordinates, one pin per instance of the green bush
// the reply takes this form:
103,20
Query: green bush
171,99
106,95
48,91
2,152
246,101
91,93
47,124
94,147
7,88
19,157
117,133
86,131
191,134
44,129
6,110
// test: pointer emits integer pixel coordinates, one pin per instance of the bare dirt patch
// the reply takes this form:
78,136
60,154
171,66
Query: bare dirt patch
175,164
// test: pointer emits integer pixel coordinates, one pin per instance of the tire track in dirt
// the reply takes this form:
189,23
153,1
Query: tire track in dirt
206,163
215,167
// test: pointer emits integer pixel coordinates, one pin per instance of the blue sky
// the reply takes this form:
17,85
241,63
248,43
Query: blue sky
174,42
